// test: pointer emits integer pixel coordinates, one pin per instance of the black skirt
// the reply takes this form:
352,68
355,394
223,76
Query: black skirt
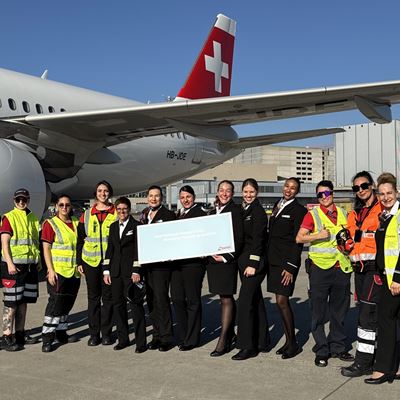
222,278
274,284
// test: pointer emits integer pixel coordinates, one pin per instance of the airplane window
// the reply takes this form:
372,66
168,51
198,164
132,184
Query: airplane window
26,107
39,109
51,109
12,105
0,103
62,109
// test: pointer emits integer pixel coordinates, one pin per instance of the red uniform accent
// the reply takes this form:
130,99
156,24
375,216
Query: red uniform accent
48,234
6,227
8,283
201,83
308,221
101,214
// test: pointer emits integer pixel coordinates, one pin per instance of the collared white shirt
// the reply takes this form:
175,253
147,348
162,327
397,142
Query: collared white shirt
395,208
283,204
122,226
219,209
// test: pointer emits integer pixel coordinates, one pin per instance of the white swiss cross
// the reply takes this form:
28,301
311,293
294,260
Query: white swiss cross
217,66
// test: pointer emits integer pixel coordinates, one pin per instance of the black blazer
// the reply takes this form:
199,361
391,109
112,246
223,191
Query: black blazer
237,224
255,223
121,256
195,211
282,248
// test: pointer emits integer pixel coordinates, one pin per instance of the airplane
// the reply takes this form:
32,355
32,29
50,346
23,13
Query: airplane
57,138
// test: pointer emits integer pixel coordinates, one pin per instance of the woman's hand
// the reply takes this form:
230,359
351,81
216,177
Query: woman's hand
80,270
52,277
135,277
107,279
12,269
249,271
395,288
287,278
218,258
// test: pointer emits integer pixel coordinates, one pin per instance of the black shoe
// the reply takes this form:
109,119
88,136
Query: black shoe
154,345
355,370
106,341
343,356
186,347
22,338
321,361
245,354
217,353
8,344
281,350
63,338
93,341
291,352
140,349
120,346
47,348
165,346
377,381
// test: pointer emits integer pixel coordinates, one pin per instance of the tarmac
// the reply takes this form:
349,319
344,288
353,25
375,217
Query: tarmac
76,371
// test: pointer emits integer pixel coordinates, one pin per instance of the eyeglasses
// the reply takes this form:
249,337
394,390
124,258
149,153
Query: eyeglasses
21,200
363,186
325,193
122,209
62,205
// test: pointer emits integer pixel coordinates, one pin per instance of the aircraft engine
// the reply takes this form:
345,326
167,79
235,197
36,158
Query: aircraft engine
20,169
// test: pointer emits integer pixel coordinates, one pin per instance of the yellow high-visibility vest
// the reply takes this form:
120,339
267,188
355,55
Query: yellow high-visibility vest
391,247
63,249
24,243
324,253
96,240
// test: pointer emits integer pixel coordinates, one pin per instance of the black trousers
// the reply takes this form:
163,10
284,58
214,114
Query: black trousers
329,296
100,306
252,329
388,316
186,284
368,285
157,294
118,288
62,297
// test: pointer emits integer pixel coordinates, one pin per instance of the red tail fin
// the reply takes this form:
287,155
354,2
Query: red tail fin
212,72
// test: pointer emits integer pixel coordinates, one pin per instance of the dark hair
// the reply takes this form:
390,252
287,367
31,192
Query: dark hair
229,183
155,187
358,203
123,200
297,180
250,182
387,177
108,185
363,174
188,189
71,211
325,183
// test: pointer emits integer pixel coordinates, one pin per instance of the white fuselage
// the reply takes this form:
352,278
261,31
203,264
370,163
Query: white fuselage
146,161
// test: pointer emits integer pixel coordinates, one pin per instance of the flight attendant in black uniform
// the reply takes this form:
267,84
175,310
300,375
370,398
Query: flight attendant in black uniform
222,269
252,334
158,276
187,280
284,258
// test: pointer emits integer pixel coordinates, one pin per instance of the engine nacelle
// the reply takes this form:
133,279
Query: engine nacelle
20,169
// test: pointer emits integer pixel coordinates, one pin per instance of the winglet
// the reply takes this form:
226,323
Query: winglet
211,74
45,73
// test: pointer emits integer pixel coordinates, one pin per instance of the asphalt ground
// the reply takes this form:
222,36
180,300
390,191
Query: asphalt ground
76,371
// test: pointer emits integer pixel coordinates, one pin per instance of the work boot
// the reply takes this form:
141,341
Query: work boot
355,370
22,338
8,343
63,338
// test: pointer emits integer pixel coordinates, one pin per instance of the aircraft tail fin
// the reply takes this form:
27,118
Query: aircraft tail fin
212,71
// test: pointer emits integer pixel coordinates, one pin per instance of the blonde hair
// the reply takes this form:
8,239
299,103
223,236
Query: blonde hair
387,177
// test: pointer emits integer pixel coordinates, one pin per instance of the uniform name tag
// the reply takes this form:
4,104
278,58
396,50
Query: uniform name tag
285,216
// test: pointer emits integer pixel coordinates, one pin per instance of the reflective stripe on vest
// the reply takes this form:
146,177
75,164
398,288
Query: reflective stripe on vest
324,253
391,247
96,241
63,249
24,243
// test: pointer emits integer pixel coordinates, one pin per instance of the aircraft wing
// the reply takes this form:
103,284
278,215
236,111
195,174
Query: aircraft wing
202,117
262,140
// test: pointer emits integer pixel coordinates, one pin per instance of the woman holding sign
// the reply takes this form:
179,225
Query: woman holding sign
158,276
186,281
222,269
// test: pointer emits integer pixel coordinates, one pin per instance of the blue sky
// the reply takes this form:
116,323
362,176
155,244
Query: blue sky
144,50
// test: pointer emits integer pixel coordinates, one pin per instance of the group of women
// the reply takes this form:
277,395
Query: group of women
72,247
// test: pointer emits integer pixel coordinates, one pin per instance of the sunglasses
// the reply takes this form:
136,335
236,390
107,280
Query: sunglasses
62,205
21,200
363,186
325,193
